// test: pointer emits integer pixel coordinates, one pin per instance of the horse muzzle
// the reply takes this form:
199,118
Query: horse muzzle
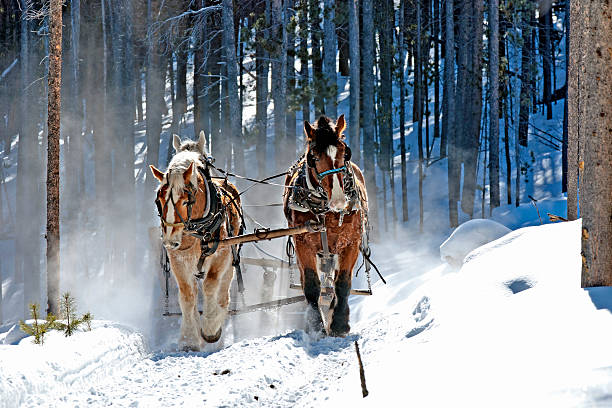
171,244
338,205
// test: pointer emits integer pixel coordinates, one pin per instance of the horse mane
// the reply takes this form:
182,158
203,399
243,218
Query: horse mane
178,165
325,135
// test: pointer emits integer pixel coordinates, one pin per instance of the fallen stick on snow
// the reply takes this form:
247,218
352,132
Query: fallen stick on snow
555,218
364,390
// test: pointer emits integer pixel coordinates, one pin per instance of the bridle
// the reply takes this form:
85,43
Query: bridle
313,198
208,224
311,162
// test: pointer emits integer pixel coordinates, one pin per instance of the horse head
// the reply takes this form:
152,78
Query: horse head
190,145
327,157
177,195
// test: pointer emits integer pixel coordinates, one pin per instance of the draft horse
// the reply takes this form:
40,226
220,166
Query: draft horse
325,186
190,202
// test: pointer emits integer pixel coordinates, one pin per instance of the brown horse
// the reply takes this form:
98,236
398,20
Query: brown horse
325,185
190,201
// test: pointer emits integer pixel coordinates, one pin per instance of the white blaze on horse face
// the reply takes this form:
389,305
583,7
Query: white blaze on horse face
337,200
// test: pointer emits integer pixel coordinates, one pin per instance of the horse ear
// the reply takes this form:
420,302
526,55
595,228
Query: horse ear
187,174
340,125
157,173
176,142
202,144
309,131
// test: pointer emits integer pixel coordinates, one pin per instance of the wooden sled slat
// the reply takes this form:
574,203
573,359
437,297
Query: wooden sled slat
256,307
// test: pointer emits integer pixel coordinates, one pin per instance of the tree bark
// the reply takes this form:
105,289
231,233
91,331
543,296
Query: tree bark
448,119
354,128
436,68
590,124
304,59
574,121
494,104
155,89
53,157
473,107
291,108
368,111
262,65
402,112
279,80
526,77
329,58
419,101
317,60
229,44
545,29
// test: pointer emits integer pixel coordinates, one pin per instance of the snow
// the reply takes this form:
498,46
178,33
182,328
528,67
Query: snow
468,236
512,327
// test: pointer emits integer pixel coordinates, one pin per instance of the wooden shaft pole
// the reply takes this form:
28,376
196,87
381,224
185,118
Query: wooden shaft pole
269,234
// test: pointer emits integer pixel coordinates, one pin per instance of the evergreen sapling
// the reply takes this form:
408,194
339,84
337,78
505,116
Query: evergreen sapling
38,329
70,321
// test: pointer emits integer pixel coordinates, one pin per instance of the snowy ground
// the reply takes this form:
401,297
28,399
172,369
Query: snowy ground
510,328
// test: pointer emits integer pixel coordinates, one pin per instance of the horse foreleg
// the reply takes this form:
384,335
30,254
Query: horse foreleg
339,309
190,339
216,298
312,291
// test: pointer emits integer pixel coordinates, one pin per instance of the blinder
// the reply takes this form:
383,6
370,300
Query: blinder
347,153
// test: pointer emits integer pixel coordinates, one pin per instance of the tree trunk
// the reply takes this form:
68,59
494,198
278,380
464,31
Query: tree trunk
526,77
181,82
53,157
279,79
290,118
418,100
317,61
354,128
155,88
402,112
574,121
591,125
229,44
473,107
261,110
218,147
448,119
545,29
385,36
368,111
329,58
436,68
304,76
494,104
342,33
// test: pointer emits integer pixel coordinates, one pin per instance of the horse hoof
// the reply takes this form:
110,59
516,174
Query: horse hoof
314,322
188,348
211,339
339,330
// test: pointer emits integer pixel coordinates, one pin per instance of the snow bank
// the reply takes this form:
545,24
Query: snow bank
30,372
468,236
511,328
